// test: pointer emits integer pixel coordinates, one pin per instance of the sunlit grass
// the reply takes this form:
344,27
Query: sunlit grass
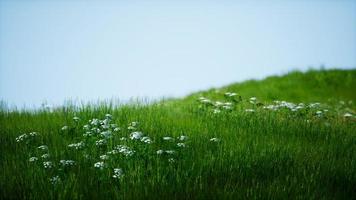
223,144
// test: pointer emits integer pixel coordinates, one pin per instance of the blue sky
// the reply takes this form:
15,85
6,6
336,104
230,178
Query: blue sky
89,50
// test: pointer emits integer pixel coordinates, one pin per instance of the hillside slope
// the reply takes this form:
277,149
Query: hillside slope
214,144
313,85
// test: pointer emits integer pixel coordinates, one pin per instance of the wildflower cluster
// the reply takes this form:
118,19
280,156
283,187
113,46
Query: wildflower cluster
252,105
215,106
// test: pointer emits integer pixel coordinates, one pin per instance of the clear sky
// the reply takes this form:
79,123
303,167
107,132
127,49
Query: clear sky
89,50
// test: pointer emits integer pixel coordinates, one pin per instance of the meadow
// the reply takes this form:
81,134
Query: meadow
284,137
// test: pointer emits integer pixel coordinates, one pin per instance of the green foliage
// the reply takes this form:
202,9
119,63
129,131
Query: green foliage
237,147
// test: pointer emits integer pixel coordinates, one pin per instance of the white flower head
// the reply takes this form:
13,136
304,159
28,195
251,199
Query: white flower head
160,152
67,162
348,115
77,146
64,128
136,135
118,173
182,138
125,150
99,165
146,140
106,134
218,103
33,159
76,119
214,140
21,137
33,134
104,157
170,151
94,122
55,180
101,142
48,164
43,147
167,138
86,127
113,152
45,156
216,111
180,144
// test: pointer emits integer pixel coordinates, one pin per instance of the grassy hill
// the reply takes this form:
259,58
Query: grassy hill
313,85
286,137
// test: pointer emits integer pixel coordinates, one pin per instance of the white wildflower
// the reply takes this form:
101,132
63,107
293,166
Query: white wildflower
21,137
79,145
171,160
136,135
180,144
250,110
146,140
113,152
99,165
182,138
117,129
86,127
104,157
125,150
230,94
218,103
214,140
167,138
88,134
108,116
64,128
76,119
134,124
216,111
347,115
45,156
106,134
101,142
314,105
33,134
33,159
67,162
55,180
94,122
170,151
159,152
227,107
118,173
96,130
43,147
206,101
47,164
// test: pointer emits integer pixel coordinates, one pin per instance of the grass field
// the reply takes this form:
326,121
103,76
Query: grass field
287,137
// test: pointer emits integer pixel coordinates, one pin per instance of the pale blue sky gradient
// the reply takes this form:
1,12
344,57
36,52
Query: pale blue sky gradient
56,50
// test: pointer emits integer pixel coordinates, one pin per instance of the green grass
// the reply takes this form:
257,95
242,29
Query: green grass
263,154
